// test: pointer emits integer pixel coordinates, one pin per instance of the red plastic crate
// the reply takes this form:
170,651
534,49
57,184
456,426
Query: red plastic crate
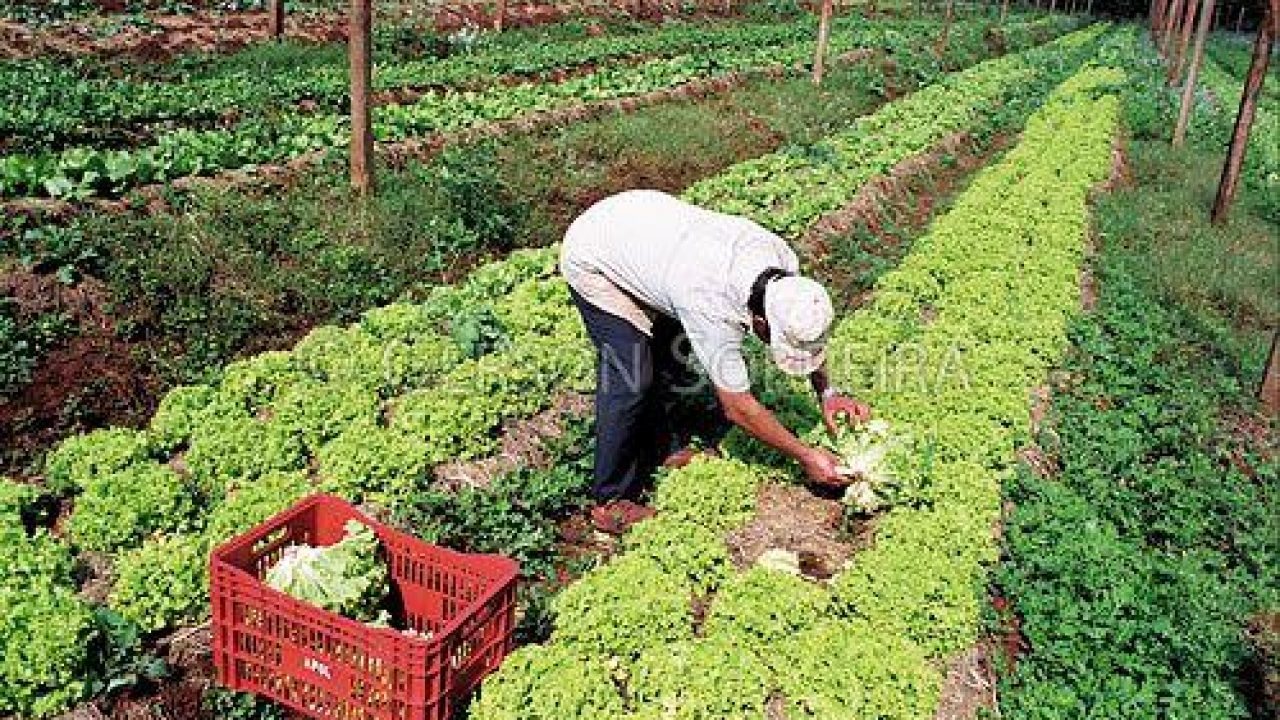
327,666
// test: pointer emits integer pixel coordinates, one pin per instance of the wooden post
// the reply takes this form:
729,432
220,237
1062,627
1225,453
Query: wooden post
1269,392
1180,57
1159,8
945,37
1088,10
1170,24
1004,11
1244,119
360,47
824,36
275,18
1240,21
500,16
1189,88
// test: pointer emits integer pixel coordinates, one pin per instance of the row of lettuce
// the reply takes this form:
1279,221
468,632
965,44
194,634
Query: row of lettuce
86,171
1134,566
64,104
979,309
364,411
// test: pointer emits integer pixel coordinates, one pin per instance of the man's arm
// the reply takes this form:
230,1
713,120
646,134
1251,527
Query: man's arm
745,411
834,403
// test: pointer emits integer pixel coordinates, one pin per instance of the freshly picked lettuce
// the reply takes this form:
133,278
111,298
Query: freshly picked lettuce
348,577
885,468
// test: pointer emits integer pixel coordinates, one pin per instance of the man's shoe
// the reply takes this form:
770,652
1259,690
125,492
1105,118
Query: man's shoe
615,518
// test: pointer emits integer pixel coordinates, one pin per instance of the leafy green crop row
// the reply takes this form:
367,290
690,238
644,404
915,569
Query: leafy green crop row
60,105
365,411
789,190
368,409
995,281
85,171
45,629
1134,566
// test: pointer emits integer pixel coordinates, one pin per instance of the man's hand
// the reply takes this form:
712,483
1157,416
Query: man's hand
836,405
820,465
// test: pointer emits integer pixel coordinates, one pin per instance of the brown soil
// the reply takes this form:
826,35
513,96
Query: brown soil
1263,634
789,517
970,687
90,379
99,576
523,445
167,36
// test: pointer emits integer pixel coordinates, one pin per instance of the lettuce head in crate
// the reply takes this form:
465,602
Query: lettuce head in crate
349,577
885,468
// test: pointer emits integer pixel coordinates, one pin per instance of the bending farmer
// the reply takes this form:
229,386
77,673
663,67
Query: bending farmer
644,268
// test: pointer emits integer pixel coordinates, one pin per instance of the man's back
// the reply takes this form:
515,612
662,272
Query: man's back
670,255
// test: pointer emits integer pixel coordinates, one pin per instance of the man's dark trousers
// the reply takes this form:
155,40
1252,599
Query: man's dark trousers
634,373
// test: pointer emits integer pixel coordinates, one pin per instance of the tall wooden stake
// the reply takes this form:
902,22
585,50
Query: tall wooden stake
1189,88
1244,119
1170,24
1269,392
1004,11
945,37
275,18
360,47
500,17
824,36
1240,21
1180,57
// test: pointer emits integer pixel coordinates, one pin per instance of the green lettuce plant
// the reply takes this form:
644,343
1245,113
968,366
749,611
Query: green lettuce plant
120,509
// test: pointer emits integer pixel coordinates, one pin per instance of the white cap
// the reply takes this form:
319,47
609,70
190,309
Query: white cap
799,314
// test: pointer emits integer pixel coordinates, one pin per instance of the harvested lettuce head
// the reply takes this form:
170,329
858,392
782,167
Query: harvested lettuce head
348,577
884,468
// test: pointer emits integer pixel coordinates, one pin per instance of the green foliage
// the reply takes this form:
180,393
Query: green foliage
163,583
623,608
22,342
699,680
121,509
228,705
231,448
318,412
250,503
184,409
17,501
44,635
759,608
839,669
682,549
120,662
548,683
368,462
1121,581
516,516
81,458
45,630
718,494
789,190
478,332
